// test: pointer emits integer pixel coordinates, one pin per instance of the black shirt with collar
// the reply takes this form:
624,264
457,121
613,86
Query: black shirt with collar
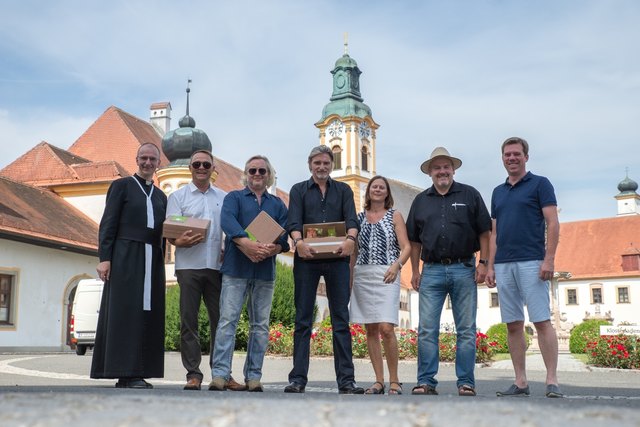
448,226
308,206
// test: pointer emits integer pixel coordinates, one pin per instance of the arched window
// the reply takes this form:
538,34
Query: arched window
337,157
364,159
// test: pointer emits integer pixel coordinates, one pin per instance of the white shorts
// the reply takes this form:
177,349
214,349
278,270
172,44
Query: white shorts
519,284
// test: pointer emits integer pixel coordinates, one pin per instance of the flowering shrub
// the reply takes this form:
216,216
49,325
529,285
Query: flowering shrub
322,341
447,343
280,340
408,344
485,348
359,340
615,351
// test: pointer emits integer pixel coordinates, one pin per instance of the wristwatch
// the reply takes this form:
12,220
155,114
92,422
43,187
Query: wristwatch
296,240
483,262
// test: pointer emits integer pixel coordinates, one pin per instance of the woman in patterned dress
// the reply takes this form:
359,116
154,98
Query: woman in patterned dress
383,247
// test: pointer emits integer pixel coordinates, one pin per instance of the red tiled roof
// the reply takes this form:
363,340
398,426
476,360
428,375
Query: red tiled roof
40,217
44,162
46,165
117,135
159,105
594,248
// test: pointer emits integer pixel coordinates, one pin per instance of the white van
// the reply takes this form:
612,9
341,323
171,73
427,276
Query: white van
84,314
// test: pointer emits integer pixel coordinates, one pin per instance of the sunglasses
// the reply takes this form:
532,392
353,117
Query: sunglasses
206,165
260,171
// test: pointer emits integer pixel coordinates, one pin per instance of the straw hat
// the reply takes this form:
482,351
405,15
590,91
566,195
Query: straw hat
440,152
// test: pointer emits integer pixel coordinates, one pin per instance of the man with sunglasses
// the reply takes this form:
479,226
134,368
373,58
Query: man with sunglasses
248,270
316,200
197,265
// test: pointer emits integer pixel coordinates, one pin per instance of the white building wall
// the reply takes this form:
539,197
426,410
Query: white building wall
43,281
620,312
569,315
92,206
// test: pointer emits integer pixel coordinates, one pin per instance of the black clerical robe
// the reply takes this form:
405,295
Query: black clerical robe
129,338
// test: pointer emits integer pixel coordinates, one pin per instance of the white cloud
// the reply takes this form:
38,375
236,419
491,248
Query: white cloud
564,75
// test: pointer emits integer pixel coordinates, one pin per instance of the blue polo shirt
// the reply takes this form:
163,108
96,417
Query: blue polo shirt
239,208
520,224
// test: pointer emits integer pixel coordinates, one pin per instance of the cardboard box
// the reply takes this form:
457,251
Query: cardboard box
264,229
324,238
175,225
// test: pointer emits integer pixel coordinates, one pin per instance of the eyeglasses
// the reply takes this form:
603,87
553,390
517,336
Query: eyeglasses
206,165
253,171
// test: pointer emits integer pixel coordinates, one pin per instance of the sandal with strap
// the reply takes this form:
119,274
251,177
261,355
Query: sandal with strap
375,390
424,389
395,391
466,390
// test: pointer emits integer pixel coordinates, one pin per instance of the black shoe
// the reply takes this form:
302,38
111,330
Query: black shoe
294,388
133,383
514,391
351,389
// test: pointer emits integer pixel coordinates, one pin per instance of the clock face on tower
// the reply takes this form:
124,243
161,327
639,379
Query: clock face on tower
364,130
340,81
335,128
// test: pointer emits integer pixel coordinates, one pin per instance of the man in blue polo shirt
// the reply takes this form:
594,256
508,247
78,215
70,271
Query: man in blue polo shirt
523,247
248,271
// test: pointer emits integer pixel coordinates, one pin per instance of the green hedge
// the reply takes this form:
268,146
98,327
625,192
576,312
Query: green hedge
172,322
283,311
498,333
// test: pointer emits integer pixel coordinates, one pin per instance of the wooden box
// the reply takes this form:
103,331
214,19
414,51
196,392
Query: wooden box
325,238
175,225
264,229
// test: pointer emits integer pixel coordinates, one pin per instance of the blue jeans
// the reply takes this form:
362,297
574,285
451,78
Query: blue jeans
336,276
234,292
438,281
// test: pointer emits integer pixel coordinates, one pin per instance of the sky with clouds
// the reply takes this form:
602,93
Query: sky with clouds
565,75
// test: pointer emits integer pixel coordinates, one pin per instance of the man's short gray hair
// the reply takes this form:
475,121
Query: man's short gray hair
320,149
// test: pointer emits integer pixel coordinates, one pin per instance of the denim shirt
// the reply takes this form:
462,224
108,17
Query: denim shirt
239,208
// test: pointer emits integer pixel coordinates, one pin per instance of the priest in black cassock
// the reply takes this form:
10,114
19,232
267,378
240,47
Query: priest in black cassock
130,334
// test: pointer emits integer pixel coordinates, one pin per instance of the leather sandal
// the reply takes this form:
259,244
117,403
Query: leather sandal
395,391
466,390
424,389
375,390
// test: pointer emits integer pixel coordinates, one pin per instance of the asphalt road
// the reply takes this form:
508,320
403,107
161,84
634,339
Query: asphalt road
55,390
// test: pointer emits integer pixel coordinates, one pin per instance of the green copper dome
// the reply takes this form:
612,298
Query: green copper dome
346,99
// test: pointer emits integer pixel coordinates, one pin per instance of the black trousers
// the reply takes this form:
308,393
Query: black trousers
195,286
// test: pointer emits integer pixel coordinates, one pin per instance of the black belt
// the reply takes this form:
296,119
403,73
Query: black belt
449,261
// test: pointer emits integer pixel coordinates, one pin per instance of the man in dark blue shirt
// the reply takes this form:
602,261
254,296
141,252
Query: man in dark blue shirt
523,249
447,224
317,200
248,269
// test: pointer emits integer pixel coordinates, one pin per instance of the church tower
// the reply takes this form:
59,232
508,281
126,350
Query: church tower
628,199
347,127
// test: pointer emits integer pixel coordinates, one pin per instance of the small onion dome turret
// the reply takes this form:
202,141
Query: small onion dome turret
179,144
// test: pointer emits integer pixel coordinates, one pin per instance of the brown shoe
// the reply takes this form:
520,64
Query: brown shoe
235,386
193,383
